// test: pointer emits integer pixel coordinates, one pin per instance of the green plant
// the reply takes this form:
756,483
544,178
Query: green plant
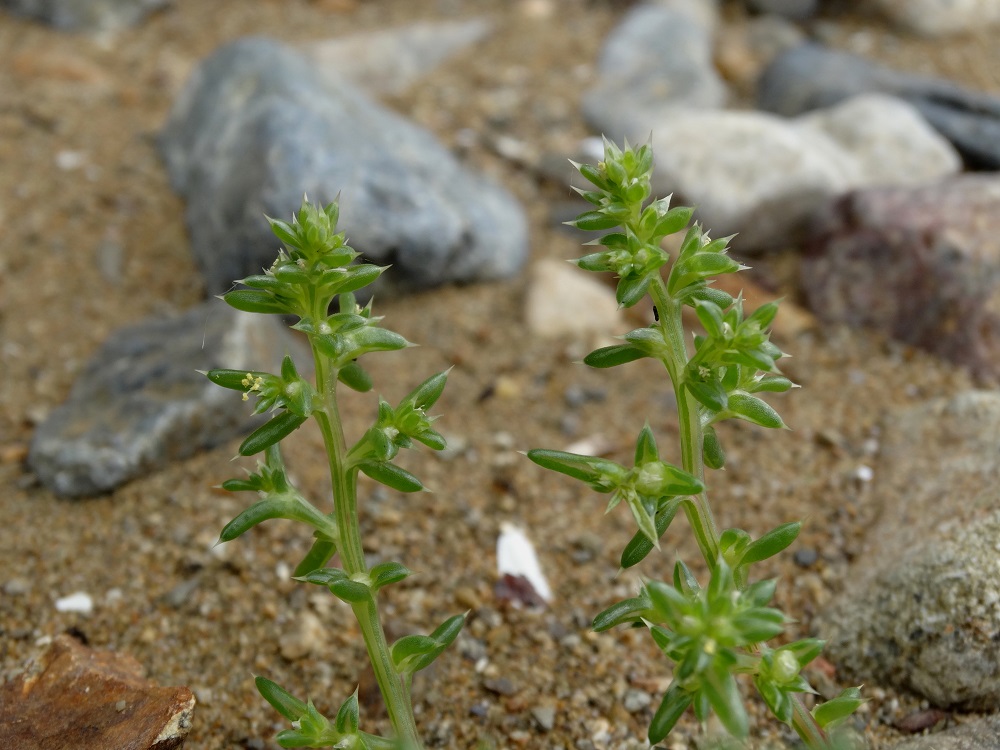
313,270
716,632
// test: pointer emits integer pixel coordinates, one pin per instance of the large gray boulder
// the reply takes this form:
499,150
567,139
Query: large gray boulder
140,402
257,126
921,608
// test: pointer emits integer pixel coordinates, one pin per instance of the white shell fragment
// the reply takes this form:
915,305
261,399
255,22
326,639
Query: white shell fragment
516,557
78,602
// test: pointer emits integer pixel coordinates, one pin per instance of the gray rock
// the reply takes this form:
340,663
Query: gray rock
140,403
84,15
921,609
979,734
763,175
940,17
256,127
811,76
658,58
390,60
920,264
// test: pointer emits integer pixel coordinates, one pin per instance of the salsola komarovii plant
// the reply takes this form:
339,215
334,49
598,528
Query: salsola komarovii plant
314,274
716,632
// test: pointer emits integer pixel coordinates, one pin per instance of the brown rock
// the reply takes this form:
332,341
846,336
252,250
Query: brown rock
920,264
74,698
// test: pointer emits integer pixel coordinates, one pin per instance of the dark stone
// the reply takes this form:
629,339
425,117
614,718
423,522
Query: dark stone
793,10
140,401
84,15
811,76
74,698
921,264
257,126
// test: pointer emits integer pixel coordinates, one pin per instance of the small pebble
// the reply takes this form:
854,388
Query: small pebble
636,700
78,602
500,685
805,557
545,716
17,586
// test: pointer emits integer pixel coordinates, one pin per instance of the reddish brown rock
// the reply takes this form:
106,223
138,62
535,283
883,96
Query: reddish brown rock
921,264
74,698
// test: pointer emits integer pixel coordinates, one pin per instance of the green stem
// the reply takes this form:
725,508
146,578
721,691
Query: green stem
395,693
698,512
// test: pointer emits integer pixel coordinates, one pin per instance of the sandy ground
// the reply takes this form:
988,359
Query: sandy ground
94,238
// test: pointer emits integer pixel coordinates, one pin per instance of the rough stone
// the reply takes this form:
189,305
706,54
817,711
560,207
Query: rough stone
920,264
921,609
657,59
762,175
74,698
940,17
562,300
978,734
388,61
811,77
257,126
140,401
84,15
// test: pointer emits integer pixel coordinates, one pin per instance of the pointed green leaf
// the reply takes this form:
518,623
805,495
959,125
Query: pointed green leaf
758,624
273,507
427,393
673,221
270,433
348,715
415,652
318,555
711,449
358,276
388,572
232,379
672,707
253,301
280,699
754,410
391,475
354,377
599,473
612,356
684,580
640,546
710,316
771,543
594,221
631,289
839,708
771,384
627,611
709,394
645,447
719,687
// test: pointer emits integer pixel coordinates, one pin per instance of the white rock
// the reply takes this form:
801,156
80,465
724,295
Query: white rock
516,557
389,60
761,175
305,639
562,300
940,17
77,602
891,143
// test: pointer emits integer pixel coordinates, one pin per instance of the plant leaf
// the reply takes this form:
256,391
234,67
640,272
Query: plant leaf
771,543
612,356
270,433
280,699
672,707
391,475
